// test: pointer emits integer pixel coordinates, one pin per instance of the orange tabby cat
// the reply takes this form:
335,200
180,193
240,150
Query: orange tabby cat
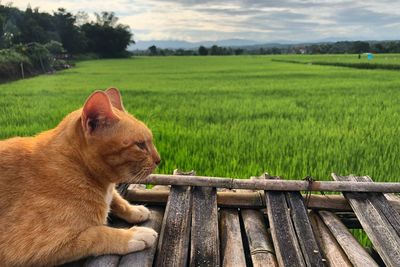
56,189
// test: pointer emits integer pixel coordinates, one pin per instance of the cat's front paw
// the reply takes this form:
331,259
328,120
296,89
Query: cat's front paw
138,214
142,237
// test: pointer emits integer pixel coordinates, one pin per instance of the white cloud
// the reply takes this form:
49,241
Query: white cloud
195,20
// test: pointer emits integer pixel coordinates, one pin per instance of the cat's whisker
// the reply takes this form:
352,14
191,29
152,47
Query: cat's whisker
138,175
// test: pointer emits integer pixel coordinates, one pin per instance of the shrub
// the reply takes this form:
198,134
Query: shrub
33,58
54,47
10,64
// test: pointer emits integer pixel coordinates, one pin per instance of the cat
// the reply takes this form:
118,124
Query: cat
57,188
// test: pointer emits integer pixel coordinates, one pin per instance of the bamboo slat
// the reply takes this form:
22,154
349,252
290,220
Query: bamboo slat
380,231
334,255
260,245
204,233
173,244
287,248
224,199
103,261
354,251
253,200
379,201
232,252
305,235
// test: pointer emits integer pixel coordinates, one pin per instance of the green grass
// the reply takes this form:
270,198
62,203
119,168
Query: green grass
234,116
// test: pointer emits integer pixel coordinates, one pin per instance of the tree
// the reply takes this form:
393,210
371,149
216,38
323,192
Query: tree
81,17
360,47
238,51
106,37
214,50
107,19
203,51
70,35
393,47
54,47
153,50
10,32
35,26
378,48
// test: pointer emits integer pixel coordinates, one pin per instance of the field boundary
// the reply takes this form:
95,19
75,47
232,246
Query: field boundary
369,66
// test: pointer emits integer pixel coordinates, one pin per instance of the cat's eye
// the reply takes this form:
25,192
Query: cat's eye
141,145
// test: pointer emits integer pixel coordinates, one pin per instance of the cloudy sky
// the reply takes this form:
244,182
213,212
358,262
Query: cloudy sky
261,20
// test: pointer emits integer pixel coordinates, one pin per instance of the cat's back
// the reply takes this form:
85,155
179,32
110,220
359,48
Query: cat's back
16,144
15,154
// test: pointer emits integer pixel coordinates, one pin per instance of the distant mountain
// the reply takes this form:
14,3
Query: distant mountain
230,42
242,43
176,44
172,44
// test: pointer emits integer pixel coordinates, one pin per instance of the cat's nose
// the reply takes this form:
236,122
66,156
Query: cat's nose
156,159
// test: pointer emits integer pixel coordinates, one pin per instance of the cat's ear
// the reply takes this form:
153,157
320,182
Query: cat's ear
115,98
97,112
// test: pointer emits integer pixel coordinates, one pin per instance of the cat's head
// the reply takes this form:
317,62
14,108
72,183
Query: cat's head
119,143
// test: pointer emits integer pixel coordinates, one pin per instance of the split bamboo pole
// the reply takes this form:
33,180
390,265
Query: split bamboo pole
272,185
254,200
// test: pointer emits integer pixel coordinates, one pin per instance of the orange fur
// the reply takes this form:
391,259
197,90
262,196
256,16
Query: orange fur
57,188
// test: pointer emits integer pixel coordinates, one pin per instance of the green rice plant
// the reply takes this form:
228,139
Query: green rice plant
233,116
379,61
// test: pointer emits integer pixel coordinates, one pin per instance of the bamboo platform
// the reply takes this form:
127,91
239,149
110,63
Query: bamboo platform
263,221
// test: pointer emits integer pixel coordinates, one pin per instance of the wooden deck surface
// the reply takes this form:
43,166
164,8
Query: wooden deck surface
279,230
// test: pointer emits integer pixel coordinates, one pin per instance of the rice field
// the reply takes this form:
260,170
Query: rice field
378,61
235,116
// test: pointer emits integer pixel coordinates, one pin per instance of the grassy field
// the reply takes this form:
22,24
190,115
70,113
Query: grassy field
379,61
234,116
377,58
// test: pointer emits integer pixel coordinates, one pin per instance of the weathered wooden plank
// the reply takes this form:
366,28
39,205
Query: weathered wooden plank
350,221
287,248
354,251
232,252
260,245
393,198
305,235
103,261
204,240
145,257
380,231
379,201
173,245
333,253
